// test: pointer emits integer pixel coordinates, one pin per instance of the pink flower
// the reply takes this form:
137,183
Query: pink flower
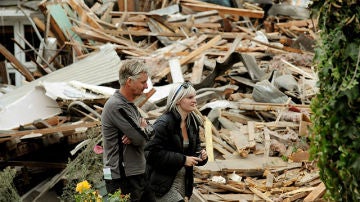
98,149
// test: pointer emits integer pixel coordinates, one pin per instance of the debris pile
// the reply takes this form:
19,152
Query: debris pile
251,65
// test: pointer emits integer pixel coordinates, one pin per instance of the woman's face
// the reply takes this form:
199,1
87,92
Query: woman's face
188,103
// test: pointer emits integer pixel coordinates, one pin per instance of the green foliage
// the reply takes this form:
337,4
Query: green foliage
284,158
84,192
336,109
118,197
8,191
87,166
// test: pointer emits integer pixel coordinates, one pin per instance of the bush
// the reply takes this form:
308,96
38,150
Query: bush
336,109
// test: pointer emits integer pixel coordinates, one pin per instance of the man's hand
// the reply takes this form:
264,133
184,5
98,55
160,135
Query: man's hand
143,123
125,140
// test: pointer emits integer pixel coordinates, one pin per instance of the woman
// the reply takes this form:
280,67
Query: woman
175,149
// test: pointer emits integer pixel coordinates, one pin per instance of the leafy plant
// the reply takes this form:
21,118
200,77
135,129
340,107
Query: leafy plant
336,109
86,166
118,197
8,191
85,192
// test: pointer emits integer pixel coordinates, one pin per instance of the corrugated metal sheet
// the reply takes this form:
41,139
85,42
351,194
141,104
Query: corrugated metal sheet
98,68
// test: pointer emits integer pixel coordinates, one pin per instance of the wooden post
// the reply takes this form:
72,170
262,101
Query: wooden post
208,139
126,5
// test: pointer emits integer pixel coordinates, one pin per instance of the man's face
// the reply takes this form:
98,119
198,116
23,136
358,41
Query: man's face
138,85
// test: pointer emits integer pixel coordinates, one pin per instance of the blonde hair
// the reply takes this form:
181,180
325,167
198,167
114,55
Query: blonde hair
178,92
131,69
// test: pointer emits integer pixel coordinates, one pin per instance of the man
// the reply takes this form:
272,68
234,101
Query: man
125,134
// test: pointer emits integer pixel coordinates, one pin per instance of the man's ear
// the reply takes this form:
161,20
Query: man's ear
128,81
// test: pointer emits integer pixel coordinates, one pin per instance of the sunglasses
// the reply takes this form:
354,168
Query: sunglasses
185,85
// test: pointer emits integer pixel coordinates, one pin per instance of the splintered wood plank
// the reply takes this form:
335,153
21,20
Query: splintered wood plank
3,73
225,10
295,197
236,117
227,187
271,106
260,194
224,144
232,197
300,156
297,191
175,70
269,180
250,165
85,14
299,70
106,16
241,142
250,182
16,63
101,36
220,149
208,140
316,193
197,196
62,128
40,24
304,126
308,177
227,124
267,143
197,70
201,49
251,132
225,137
298,23
126,5
191,55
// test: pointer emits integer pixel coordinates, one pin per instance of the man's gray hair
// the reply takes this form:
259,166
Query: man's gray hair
131,69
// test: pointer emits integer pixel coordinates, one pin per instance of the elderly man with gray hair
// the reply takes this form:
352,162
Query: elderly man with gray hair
125,133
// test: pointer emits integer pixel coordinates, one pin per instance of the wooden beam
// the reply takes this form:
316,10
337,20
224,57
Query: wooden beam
85,14
190,56
62,128
126,5
208,140
16,63
225,10
4,76
40,24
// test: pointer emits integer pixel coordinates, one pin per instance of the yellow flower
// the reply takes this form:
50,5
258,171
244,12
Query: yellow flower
83,186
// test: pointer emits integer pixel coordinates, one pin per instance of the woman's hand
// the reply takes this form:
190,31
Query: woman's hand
192,161
203,155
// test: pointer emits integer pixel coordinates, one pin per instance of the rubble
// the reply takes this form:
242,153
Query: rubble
252,69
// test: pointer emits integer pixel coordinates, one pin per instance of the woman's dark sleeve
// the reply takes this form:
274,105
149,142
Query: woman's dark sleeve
160,154
198,148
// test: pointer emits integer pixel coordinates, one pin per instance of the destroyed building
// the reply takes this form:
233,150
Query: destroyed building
251,65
